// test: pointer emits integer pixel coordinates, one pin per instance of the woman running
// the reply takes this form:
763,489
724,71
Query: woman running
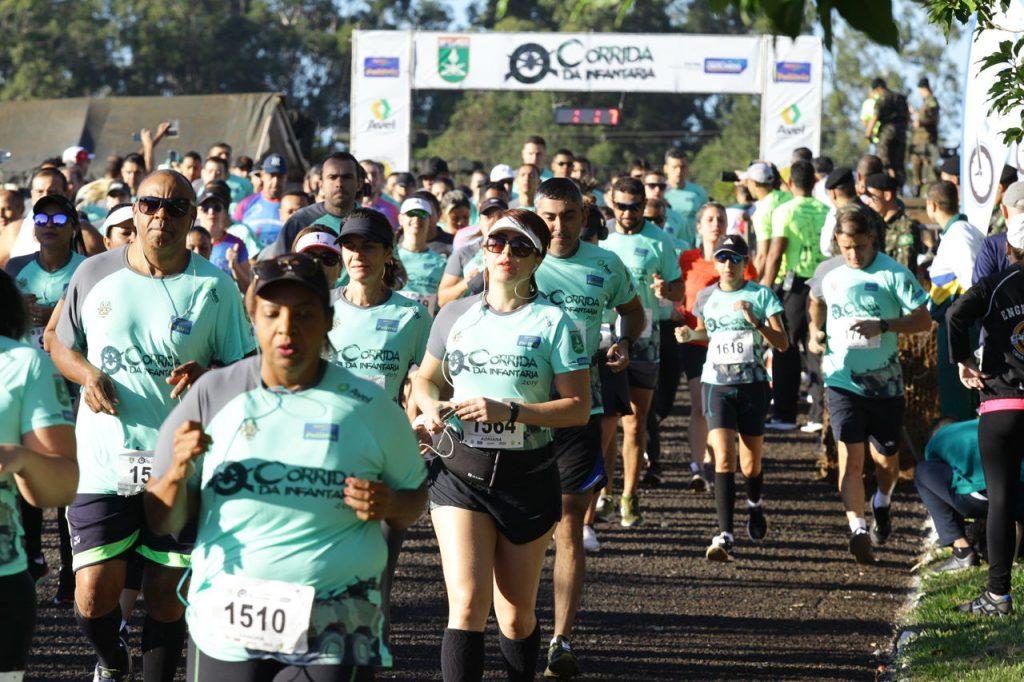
423,267
737,318
288,463
495,493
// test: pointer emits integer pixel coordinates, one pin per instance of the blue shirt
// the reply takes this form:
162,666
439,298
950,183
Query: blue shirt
991,258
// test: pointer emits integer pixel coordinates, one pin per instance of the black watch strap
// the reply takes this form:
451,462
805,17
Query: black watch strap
513,412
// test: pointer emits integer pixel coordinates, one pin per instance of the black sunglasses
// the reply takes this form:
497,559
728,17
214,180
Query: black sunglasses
176,208
328,258
58,219
211,207
656,185
628,207
733,258
517,246
300,264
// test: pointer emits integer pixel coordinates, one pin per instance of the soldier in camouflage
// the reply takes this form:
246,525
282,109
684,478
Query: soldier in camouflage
902,233
924,139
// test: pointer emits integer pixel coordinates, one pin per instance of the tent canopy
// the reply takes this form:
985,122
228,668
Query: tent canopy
254,124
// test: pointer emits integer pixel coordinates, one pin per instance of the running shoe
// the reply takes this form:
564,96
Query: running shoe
881,526
605,508
776,424
709,474
860,547
976,534
590,541
629,511
698,484
811,427
720,548
562,663
985,605
955,563
101,674
38,568
65,593
757,524
652,477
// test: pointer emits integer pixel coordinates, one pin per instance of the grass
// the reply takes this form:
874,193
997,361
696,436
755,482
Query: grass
948,645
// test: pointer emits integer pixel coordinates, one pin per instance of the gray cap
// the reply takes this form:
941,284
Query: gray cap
1013,197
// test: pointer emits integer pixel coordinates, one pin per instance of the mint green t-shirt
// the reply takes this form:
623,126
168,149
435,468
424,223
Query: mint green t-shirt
425,269
761,218
882,291
507,356
380,342
646,253
799,220
686,201
33,396
271,505
136,329
735,348
47,287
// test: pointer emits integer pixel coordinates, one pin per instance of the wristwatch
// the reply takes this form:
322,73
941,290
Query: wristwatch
513,412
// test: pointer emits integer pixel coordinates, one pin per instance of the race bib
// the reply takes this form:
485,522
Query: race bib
133,470
265,615
732,347
841,335
498,435
428,301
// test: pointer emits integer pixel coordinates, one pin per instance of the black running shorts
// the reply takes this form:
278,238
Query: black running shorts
855,419
737,407
578,453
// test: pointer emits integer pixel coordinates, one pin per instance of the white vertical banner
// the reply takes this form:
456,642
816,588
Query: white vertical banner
982,152
381,99
791,98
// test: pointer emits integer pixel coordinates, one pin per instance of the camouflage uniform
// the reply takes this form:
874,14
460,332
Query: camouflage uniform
903,239
891,111
924,145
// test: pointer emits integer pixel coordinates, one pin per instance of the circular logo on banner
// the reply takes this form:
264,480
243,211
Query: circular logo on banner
529,64
980,173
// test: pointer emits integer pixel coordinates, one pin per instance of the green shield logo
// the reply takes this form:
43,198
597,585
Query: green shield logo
453,58
577,341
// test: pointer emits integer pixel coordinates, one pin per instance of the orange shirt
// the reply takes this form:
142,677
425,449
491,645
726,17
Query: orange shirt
698,274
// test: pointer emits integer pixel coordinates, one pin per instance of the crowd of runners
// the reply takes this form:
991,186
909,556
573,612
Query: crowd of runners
240,394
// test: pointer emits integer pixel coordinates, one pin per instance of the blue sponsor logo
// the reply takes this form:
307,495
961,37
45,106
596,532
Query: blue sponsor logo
722,65
321,432
583,362
528,341
595,280
640,253
381,67
792,72
871,286
387,325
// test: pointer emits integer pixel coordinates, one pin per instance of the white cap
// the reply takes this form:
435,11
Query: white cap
760,172
501,172
416,204
1015,231
70,154
507,224
116,217
316,240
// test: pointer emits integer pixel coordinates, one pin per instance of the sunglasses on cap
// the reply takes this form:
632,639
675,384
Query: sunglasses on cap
626,208
303,266
733,258
176,207
520,247
58,219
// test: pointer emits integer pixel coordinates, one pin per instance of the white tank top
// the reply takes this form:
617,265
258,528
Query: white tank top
26,242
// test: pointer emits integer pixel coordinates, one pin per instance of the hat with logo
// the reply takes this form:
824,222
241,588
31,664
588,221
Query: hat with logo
760,172
1013,197
502,172
416,204
292,267
76,154
734,244
274,164
508,224
314,241
59,201
491,204
840,177
1015,231
121,213
951,166
372,225
118,187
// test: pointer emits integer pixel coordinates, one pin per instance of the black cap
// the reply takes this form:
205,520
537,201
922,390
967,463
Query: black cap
373,225
293,267
840,177
217,189
61,202
436,166
951,166
881,181
732,243
1008,176
923,83
405,180
595,226
494,202
118,187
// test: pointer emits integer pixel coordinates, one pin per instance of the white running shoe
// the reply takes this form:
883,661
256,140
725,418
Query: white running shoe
590,541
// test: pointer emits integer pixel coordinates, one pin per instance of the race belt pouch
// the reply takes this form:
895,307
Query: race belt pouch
476,467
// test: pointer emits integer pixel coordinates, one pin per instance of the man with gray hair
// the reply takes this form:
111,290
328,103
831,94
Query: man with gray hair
992,256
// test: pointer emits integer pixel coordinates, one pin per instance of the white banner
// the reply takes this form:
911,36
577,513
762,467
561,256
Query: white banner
381,116
982,152
791,104
588,62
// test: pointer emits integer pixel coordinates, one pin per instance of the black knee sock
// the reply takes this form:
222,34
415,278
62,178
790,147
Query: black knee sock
462,656
754,485
161,649
32,527
65,540
103,634
725,496
521,655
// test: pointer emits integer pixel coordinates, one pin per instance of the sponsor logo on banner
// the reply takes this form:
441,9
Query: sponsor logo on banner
790,118
381,67
980,173
383,119
792,72
725,65
453,58
532,63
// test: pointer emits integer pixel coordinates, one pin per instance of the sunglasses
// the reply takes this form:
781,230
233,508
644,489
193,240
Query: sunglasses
416,213
211,207
303,266
656,185
733,258
626,208
519,247
175,208
58,219
328,258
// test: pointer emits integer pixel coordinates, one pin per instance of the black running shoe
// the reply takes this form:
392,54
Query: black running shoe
38,568
860,547
698,484
985,605
757,524
881,526
652,477
562,663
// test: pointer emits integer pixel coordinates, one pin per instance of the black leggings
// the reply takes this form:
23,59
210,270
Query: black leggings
202,668
1000,435
18,620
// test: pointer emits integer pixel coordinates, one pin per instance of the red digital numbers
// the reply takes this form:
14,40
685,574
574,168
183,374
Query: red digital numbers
598,116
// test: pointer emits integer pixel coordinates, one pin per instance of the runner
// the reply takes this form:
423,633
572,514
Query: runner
738,319
585,281
37,463
868,300
652,260
261,212
134,355
463,272
495,490
761,182
287,463
424,268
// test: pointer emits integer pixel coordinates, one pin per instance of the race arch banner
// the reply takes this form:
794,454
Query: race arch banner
387,65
